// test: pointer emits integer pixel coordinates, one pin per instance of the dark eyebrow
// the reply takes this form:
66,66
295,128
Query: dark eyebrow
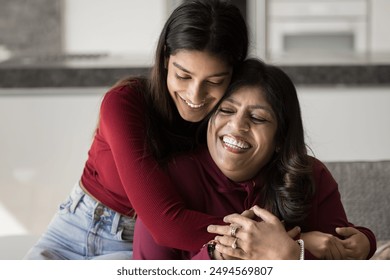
189,72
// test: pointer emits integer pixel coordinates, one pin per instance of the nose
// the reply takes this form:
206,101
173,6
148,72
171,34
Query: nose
196,93
240,123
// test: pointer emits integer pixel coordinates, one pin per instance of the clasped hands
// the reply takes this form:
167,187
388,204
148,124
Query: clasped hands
269,240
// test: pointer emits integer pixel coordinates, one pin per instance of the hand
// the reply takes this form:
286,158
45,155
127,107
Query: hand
356,243
324,245
293,233
256,240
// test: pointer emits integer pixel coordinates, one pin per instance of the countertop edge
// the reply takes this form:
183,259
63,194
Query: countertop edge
302,75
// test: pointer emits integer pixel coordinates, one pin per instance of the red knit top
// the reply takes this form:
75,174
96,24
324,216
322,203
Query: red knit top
205,188
120,173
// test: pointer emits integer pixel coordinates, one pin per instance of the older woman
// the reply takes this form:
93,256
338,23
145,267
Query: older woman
257,157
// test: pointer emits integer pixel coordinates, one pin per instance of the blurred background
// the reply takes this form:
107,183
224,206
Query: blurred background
58,57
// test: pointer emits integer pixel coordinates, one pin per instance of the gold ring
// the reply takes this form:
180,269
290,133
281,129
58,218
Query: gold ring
234,244
233,230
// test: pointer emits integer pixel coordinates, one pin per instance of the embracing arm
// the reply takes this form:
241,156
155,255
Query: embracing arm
355,245
148,188
336,237
325,228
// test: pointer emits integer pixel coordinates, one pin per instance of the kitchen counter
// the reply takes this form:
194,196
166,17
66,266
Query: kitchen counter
100,70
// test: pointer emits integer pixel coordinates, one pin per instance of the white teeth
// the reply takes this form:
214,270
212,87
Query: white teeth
234,143
194,105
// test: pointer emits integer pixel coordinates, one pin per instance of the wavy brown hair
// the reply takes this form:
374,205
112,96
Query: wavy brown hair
289,186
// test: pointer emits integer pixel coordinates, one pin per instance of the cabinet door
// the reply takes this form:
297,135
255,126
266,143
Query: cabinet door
380,22
45,137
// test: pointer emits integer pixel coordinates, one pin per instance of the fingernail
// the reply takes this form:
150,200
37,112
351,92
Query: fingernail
210,228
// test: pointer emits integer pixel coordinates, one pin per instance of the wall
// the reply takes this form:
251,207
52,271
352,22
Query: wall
115,26
45,137
31,26
347,124
380,21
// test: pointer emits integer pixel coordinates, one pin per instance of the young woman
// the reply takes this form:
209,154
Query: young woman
256,156
144,122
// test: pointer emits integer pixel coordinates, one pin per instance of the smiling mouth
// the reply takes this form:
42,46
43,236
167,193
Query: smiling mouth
235,144
192,105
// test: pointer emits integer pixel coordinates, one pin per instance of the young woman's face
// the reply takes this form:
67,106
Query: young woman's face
241,135
196,82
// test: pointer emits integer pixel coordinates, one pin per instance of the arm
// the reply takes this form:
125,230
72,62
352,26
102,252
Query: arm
147,187
326,215
146,248
356,243
355,246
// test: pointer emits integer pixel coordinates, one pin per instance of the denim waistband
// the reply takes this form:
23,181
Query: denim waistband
98,209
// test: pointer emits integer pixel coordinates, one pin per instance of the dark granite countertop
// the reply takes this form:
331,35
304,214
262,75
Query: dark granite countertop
97,70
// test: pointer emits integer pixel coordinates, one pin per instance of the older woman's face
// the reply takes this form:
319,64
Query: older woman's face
196,81
241,135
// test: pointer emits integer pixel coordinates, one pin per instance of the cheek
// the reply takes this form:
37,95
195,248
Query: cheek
266,143
219,93
212,136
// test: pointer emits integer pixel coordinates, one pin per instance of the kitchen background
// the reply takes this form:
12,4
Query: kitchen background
58,57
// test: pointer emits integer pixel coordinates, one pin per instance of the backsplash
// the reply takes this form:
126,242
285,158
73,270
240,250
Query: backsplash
31,27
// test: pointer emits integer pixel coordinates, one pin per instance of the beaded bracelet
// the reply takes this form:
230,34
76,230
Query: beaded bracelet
302,246
211,248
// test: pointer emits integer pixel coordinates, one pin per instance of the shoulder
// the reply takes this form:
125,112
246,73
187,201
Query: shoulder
323,178
133,91
129,96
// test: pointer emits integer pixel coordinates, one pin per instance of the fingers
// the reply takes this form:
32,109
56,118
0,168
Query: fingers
249,214
265,215
229,247
229,241
294,232
337,249
220,230
346,231
238,220
229,251
259,212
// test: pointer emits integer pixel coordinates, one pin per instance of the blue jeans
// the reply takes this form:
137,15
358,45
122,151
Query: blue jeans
82,229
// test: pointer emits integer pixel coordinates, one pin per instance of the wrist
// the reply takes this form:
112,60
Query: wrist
210,246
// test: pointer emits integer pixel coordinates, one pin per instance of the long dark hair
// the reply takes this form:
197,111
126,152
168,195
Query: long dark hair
215,26
289,186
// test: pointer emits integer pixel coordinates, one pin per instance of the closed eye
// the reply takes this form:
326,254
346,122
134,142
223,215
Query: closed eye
182,77
256,119
226,111
214,83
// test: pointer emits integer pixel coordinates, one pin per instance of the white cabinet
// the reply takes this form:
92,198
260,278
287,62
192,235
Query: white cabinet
45,137
347,123
380,22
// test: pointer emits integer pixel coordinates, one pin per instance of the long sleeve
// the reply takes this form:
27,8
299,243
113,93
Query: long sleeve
371,237
147,187
327,211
